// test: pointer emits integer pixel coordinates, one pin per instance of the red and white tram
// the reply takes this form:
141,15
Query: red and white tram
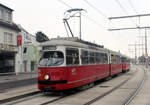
67,63
125,63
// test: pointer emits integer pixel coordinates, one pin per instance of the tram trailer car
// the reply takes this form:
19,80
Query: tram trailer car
69,63
125,63
115,63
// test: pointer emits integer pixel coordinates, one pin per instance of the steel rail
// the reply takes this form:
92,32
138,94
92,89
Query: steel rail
54,100
108,92
27,97
137,90
18,97
17,101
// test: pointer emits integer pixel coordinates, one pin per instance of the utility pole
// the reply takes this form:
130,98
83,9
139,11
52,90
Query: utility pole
80,24
146,54
142,44
135,49
138,27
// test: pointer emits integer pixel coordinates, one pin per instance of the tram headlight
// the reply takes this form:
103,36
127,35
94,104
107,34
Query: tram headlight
46,77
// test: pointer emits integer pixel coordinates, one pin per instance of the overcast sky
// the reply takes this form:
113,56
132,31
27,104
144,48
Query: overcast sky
47,15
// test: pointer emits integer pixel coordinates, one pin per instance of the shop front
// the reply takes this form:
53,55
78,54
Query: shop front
7,58
7,62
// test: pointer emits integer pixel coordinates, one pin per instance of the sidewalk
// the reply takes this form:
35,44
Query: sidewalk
143,97
19,80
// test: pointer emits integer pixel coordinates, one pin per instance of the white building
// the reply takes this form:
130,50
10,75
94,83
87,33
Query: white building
8,41
28,51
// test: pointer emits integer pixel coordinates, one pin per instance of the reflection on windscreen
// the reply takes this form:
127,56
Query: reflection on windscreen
52,58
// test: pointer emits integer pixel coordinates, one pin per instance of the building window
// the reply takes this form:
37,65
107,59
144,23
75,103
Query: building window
6,16
9,17
25,50
8,38
0,14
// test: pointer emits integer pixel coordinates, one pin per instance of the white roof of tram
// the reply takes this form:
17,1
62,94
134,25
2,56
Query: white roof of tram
75,42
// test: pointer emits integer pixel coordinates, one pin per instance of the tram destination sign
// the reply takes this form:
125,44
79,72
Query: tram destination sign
49,48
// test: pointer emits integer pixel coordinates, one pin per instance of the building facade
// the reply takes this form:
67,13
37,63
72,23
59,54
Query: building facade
28,51
8,41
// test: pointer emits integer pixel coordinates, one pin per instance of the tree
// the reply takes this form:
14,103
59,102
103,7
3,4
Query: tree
41,37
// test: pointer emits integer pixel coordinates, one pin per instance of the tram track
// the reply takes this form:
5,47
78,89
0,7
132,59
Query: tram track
33,95
131,97
55,99
108,92
14,102
52,98
18,97
137,90
48,102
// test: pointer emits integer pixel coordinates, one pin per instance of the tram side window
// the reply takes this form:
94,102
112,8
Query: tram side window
101,58
123,59
118,59
113,59
127,60
72,56
84,57
92,58
97,58
105,58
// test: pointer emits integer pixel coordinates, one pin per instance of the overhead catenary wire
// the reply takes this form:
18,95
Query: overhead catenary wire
64,3
97,23
99,11
124,10
131,4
